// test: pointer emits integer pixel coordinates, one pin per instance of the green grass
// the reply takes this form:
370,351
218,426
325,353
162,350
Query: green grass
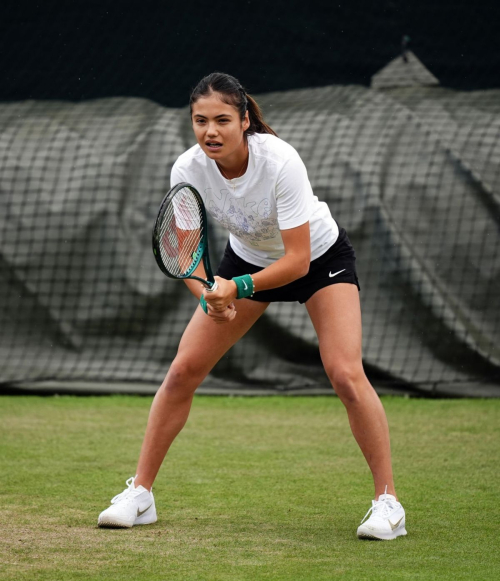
253,488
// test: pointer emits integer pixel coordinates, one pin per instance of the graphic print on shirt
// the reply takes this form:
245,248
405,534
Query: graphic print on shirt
250,221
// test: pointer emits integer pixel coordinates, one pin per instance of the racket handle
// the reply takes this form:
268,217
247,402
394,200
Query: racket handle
203,302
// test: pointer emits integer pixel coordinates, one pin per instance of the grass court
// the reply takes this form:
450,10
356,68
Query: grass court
253,488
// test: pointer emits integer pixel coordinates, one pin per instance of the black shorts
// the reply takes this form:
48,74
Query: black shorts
336,265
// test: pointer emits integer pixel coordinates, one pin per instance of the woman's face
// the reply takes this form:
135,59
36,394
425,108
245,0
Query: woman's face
219,129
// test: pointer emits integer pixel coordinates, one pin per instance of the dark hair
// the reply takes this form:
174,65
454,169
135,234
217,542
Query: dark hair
234,94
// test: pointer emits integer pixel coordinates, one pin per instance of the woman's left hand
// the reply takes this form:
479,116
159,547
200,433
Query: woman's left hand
221,298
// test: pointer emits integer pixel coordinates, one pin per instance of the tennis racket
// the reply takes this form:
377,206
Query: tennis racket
180,235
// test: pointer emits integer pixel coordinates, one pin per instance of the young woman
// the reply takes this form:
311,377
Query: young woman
283,246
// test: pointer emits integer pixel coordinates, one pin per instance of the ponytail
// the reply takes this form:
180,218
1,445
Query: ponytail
257,123
233,94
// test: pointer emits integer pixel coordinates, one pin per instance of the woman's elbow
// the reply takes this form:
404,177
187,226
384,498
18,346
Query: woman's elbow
303,267
299,263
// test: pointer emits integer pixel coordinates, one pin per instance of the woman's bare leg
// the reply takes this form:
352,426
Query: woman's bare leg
336,315
202,345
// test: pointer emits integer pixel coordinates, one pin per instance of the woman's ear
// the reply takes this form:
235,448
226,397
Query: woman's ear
245,124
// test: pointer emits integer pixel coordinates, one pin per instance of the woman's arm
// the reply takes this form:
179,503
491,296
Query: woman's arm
293,265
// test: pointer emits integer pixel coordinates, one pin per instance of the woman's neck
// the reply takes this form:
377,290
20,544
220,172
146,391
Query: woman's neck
235,168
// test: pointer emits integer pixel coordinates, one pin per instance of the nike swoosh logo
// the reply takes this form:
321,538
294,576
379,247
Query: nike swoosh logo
141,512
335,273
396,525
246,288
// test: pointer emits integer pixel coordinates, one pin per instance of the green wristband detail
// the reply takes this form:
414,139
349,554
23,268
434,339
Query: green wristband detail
244,284
203,304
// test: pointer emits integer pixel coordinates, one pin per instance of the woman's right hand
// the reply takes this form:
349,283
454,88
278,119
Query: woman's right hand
221,317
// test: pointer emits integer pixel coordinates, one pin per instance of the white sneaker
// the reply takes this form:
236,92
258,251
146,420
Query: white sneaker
134,506
386,522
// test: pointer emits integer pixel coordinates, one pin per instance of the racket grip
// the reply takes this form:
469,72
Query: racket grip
211,289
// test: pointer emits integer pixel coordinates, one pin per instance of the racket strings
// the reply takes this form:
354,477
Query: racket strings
181,233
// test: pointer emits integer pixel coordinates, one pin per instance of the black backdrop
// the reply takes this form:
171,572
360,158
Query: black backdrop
100,48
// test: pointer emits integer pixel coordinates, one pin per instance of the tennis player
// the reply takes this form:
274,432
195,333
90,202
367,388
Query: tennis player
283,245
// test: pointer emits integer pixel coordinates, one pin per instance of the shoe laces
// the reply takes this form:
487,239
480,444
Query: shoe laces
123,495
381,508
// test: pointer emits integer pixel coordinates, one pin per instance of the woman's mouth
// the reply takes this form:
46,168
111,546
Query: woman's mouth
213,145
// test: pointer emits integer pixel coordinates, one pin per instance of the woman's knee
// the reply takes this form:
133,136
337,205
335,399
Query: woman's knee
348,381
182,378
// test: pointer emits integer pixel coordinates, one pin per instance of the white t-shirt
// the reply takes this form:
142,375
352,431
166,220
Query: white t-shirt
274,194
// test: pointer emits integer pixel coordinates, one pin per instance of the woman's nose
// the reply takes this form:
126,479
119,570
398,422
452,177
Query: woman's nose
212,129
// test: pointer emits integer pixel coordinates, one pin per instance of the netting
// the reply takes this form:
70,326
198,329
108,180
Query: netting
409,167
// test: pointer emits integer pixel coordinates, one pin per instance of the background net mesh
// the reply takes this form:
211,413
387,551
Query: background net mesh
407,156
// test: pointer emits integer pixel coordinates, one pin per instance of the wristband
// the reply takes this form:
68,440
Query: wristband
203,304
245,286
